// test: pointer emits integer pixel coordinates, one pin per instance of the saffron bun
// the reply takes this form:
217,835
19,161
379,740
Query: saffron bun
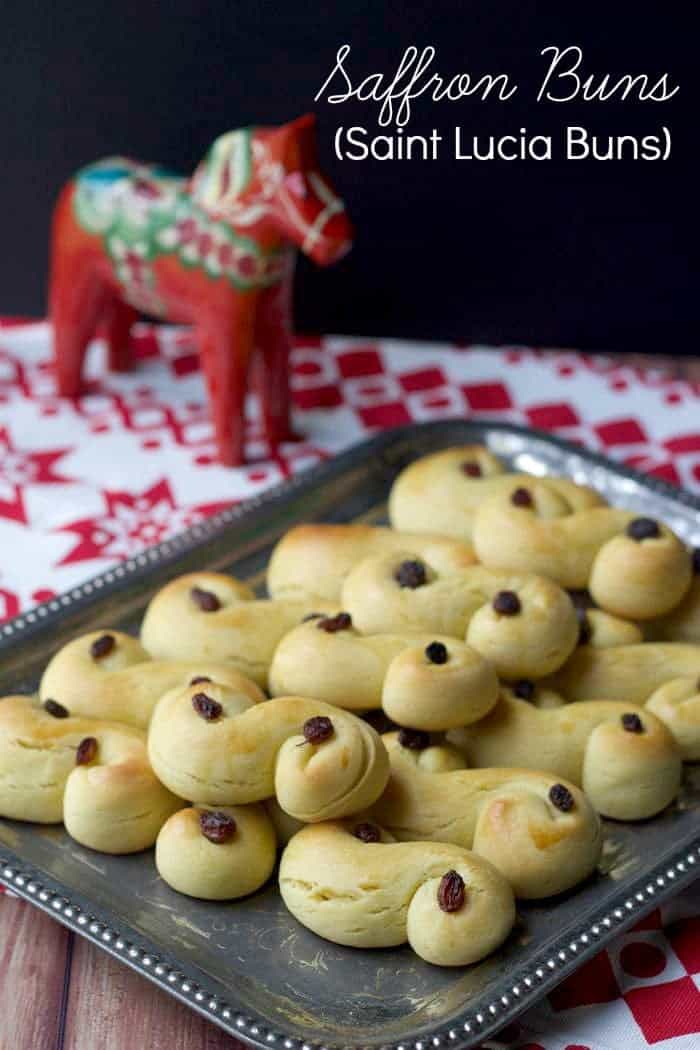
677,704
221,748
380,893
122,684
441,492
536,527
641,579
211,616
623,757
312,561
628,673
392,671
531,640
105,791
236,857
509,816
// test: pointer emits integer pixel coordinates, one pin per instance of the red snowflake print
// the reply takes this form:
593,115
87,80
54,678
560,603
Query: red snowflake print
132,521
19,468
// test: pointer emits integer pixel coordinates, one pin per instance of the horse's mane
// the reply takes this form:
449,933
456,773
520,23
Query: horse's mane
225,169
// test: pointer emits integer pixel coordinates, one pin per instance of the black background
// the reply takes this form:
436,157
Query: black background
587,254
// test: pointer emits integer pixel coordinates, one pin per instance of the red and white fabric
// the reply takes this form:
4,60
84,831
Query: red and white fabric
86,483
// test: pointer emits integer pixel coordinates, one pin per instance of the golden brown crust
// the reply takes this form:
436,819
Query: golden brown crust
627,773
250,752
533,642
312,561
124,685
630,673
392,671
506,815
677,704
198,867
112,803
438,493
382,893
240,631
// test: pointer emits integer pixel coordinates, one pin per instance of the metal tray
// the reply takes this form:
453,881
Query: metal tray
248,966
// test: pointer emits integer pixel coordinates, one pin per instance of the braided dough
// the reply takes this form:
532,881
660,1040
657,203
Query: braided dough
249,752
240,630
376,894
112,803
212,870
624,758
533,642
630,673
392,671
441,492
312,561
505,815
123,684
677,704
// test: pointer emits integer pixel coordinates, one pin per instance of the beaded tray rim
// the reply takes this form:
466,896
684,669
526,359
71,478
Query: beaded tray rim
475,1023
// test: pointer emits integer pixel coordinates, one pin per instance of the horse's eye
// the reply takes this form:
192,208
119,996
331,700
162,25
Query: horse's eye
296,184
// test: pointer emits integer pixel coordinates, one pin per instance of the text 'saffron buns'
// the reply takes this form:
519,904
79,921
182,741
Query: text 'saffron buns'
351,883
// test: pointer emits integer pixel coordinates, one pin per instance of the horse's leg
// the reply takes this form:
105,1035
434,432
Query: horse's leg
226,346
119,317
273,338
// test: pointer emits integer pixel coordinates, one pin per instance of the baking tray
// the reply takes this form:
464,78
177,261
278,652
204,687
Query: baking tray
248,966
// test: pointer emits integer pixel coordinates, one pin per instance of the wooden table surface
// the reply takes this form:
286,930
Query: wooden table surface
58,992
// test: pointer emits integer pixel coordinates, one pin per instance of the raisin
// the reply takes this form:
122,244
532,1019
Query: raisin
318,729
451,893
87,750
643,529
216,826
367,832
414,739
507,603
632,723
411,574
436,652
696,561
524,689
54,708
102,646
205,600
561,797
206,707
521,498
333,624
471,468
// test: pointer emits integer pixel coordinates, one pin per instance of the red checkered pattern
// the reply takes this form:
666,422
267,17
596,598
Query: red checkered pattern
85,483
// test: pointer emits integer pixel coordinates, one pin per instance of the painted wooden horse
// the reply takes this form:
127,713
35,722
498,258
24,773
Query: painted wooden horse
216,251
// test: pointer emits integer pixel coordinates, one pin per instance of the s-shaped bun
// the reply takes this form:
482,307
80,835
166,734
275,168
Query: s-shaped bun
214,745
353,884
